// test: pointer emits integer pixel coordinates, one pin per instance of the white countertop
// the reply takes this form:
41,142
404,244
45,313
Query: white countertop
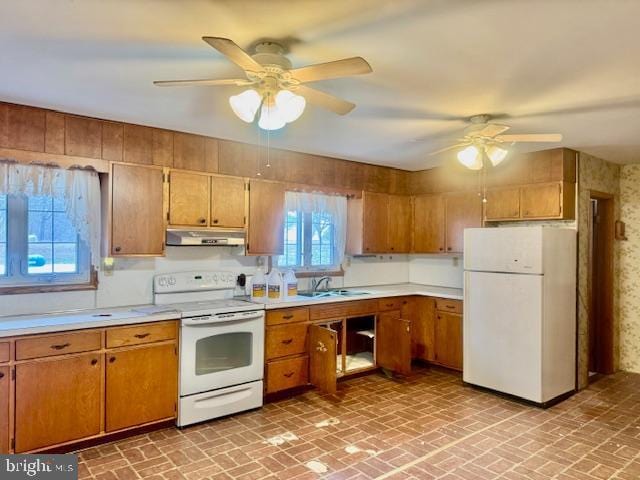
76,320
381,291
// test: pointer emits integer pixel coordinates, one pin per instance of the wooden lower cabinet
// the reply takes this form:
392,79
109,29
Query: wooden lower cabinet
287,373
448,339
323,346
393,342
141,386
4,409
421,312
58,401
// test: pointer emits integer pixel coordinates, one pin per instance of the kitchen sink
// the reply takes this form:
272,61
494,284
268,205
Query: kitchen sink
332,293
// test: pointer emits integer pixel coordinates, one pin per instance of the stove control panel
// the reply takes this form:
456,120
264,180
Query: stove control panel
193,281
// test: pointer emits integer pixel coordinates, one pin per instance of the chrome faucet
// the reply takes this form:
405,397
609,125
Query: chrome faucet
315,284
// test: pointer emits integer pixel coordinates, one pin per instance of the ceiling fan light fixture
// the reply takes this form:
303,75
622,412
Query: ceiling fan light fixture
290,104
245,105
271,116
496,154
470,157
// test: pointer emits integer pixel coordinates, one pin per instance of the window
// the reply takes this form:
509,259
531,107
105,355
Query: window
38,243
314,232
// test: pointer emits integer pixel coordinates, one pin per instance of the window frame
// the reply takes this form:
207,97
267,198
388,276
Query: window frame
17,278
305,220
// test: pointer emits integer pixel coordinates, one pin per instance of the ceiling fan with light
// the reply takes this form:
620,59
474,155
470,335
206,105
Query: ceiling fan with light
274,86
483,139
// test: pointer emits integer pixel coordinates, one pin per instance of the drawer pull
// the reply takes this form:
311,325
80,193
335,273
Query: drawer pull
141,335
62,346
389,304
1,375
94,361
288,374
450,306
287,341
287,317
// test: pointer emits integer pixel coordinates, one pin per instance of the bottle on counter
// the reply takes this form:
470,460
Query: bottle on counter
274,285
290,284
259,285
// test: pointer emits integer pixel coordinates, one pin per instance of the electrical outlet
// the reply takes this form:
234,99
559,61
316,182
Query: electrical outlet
108,265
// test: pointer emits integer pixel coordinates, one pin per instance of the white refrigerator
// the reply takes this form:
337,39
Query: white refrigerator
520,311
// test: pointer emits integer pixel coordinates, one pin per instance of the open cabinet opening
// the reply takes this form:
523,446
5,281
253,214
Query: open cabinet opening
360,343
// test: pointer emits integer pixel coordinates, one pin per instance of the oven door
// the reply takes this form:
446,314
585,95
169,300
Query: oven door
218,351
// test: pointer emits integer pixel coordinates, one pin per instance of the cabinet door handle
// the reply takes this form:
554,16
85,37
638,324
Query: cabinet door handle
287,317
449,248
202,220
441,249
112,359
1,375
117,249
61,346
94,361
288,374
215,220
141,335
287,341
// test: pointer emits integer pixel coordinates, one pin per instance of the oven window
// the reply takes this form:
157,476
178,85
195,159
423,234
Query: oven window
223,352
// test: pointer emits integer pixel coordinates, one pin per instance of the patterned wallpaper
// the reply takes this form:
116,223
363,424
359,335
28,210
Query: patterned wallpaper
602,176
630,269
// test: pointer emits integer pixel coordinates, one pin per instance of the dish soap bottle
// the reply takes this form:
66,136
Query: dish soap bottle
290,284
259,286
274,285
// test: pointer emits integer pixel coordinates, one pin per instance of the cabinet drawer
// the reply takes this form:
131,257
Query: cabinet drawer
329,310
285,340
141,334
362,307
57,344
287,315
289,373
4,352
447,305
386,304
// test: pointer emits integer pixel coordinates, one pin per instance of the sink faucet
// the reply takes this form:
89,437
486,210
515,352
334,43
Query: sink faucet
315,284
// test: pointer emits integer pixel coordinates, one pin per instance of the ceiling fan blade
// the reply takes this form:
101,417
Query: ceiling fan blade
493,129
234,53
450,147
325,100
325,71
530,137
205,82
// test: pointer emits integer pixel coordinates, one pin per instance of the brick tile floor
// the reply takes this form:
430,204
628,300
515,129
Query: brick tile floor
423,427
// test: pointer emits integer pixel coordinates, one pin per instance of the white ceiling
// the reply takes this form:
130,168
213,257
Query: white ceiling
571,67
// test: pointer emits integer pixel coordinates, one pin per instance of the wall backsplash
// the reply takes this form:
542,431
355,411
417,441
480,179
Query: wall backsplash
131,281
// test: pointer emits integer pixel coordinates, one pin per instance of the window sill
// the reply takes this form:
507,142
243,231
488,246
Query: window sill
92,284
318,273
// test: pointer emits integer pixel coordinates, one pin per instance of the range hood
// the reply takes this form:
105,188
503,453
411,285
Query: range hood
211,238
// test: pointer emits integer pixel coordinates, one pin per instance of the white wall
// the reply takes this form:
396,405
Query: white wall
131,281
436,270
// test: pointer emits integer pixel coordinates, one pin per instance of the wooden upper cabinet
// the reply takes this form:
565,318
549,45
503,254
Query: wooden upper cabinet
462,210
375,222
428,224
541,200
4,409
58,401
188,199
137,218
399,227
448,339
83,137
502,204
148,146
112,141
323,346
266,218
393,342
142,386
228,202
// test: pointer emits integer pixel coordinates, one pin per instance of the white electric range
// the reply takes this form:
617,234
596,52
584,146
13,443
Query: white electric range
221,344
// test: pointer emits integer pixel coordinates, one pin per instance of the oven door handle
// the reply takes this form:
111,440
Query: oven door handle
224,318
